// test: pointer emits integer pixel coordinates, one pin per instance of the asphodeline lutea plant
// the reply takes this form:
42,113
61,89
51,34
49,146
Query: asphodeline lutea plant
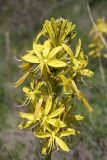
98,45
98,34
52,70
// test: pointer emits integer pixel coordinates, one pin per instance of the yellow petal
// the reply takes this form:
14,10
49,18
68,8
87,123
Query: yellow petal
68,50
56,63
61,144
29,116
25,125
56,112
47,47
36,49
30,58
42,134
54,52
48,105
68,132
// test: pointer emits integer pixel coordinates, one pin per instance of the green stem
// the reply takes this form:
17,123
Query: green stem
48,157
101,68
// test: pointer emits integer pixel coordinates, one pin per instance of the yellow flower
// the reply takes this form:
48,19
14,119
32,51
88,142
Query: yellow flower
44,56
79,117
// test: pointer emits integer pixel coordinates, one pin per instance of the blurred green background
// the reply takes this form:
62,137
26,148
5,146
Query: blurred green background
20,20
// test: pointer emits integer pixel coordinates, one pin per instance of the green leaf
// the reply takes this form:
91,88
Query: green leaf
29,116
68,50
54,52
30,58
48,105
42,134
61,144
56,112
78,47
56,63
21,80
